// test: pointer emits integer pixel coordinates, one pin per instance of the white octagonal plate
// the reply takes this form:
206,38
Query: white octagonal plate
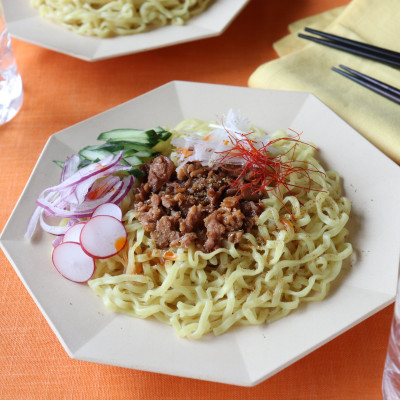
25,23
246,355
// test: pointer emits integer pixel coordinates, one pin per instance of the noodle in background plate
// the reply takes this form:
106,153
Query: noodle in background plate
291,256
107,18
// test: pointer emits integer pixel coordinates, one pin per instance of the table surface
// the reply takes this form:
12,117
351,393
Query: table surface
61,91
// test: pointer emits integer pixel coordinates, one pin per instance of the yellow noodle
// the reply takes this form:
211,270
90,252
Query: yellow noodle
291,256
107,18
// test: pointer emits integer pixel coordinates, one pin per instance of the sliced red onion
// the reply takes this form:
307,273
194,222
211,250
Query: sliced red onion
53,229
49,211
77,178
76,194
58,240
107,198
70,167
69,198
33,221
102,186
129,181
114,195
84,211
99,168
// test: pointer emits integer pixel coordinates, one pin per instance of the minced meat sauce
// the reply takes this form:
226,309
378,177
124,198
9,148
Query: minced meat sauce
193,205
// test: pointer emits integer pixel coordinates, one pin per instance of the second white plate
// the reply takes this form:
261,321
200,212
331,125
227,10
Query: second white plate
25,23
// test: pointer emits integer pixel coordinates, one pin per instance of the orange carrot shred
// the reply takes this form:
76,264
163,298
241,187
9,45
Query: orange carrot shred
169,255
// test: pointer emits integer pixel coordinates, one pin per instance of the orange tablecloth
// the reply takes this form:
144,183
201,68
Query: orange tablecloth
61,91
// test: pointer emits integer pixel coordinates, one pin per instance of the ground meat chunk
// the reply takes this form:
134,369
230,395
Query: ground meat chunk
173,201
220,224
193,220
215,232
235,237
160,172
251,210
230,202
165,232
186,240
193,205
149,216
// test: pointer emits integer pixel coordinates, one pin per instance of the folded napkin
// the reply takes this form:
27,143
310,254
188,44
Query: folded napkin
291,43
306,66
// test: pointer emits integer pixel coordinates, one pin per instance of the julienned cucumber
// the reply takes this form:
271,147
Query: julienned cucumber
94,154
146,137
145,152
133,161
136,146
118,146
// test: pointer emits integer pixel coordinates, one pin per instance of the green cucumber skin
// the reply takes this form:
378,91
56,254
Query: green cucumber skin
136,145
94,154
149,137
133,161
111,147
139,153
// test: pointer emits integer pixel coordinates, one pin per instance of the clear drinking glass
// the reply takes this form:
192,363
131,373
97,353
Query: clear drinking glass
11,92
391,373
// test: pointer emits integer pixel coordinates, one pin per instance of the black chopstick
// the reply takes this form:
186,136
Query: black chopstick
355,43
375,53
390,92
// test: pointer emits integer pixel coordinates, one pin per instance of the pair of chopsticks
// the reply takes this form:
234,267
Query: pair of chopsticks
380,54
379,87
375,53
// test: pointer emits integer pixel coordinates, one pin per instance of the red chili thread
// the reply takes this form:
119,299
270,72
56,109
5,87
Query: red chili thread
263,170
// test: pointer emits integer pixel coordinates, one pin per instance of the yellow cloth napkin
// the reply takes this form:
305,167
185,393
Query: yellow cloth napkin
291,43
309,69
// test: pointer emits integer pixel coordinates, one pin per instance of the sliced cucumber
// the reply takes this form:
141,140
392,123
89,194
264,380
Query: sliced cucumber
148,138
136,172
123,162
133,160
146,154
138,153
112,147
93,155
134,147
85,162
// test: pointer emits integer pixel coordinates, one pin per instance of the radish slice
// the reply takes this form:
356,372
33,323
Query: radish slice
72,262
110,209
103,236
73,234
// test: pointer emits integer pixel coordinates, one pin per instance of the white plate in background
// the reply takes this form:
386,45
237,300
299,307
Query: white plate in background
25,23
